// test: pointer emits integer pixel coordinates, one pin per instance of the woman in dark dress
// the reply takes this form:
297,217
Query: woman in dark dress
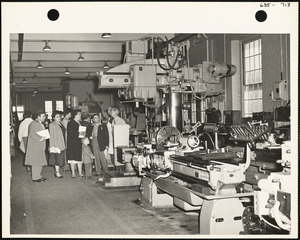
74,147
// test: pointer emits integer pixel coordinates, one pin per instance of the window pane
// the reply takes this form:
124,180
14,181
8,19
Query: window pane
256,47
247,64
259,45
256,62
48,108
251,50
59,106
260,65
260,105
257,105
246,92
252,80
251,63
246,48
20,108
246,109
257,76
260,90
250,93
260,76
247,78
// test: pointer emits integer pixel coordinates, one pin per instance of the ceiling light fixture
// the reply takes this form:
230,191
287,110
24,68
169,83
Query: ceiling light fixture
35,91
106,35
39,66
24,80
46,48
67,72
88,76
80,58
105,66
34,76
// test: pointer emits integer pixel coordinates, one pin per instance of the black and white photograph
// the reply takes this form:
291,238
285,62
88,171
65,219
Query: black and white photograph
178,123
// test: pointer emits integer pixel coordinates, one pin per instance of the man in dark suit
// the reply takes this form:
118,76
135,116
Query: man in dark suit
100,142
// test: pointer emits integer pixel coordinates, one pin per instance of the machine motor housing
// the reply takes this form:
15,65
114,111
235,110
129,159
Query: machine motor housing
143,81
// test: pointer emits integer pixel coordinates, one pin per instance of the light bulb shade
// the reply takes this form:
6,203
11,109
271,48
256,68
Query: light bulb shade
88,76
39,66
67,72
105,66
34,76
46,48
80,58
24,80
106,35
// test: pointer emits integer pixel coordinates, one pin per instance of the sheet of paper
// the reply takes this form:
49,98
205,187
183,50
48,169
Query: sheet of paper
82,129
54,150
44,133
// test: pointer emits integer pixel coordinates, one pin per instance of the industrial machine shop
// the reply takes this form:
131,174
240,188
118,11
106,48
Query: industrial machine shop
206,133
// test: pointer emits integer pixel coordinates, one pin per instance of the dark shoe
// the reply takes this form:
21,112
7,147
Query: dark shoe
97,174
44,179
80,176
39,180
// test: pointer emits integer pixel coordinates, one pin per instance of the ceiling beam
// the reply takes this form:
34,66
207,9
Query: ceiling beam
64,52
73,41
70,47
71,57
20,46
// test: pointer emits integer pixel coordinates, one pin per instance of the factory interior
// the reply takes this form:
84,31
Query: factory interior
206,148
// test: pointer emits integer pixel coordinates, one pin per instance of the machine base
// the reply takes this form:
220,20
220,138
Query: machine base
121,180
221,216
185,206
151,195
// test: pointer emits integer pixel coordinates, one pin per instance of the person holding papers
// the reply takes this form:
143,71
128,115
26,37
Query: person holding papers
57,143
35,154
74,148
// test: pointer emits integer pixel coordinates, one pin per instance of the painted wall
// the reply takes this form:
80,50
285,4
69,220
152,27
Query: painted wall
82,90
38,102
275,62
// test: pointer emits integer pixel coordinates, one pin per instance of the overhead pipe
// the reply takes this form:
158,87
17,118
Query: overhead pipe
176,39
20,45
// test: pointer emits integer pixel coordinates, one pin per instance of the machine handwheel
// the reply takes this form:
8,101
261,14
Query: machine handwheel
193,141
167,133
251,222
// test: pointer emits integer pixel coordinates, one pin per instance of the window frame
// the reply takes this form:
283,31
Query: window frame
242,58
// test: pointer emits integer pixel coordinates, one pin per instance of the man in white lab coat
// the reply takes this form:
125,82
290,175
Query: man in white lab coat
117,120
23,133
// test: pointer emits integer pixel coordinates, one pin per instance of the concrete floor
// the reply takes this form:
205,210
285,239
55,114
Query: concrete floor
83,207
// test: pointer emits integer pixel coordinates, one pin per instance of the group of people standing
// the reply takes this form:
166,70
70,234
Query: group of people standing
68,146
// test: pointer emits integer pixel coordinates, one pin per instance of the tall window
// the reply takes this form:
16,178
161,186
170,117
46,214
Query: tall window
20,111
48,108
252,87
59,106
